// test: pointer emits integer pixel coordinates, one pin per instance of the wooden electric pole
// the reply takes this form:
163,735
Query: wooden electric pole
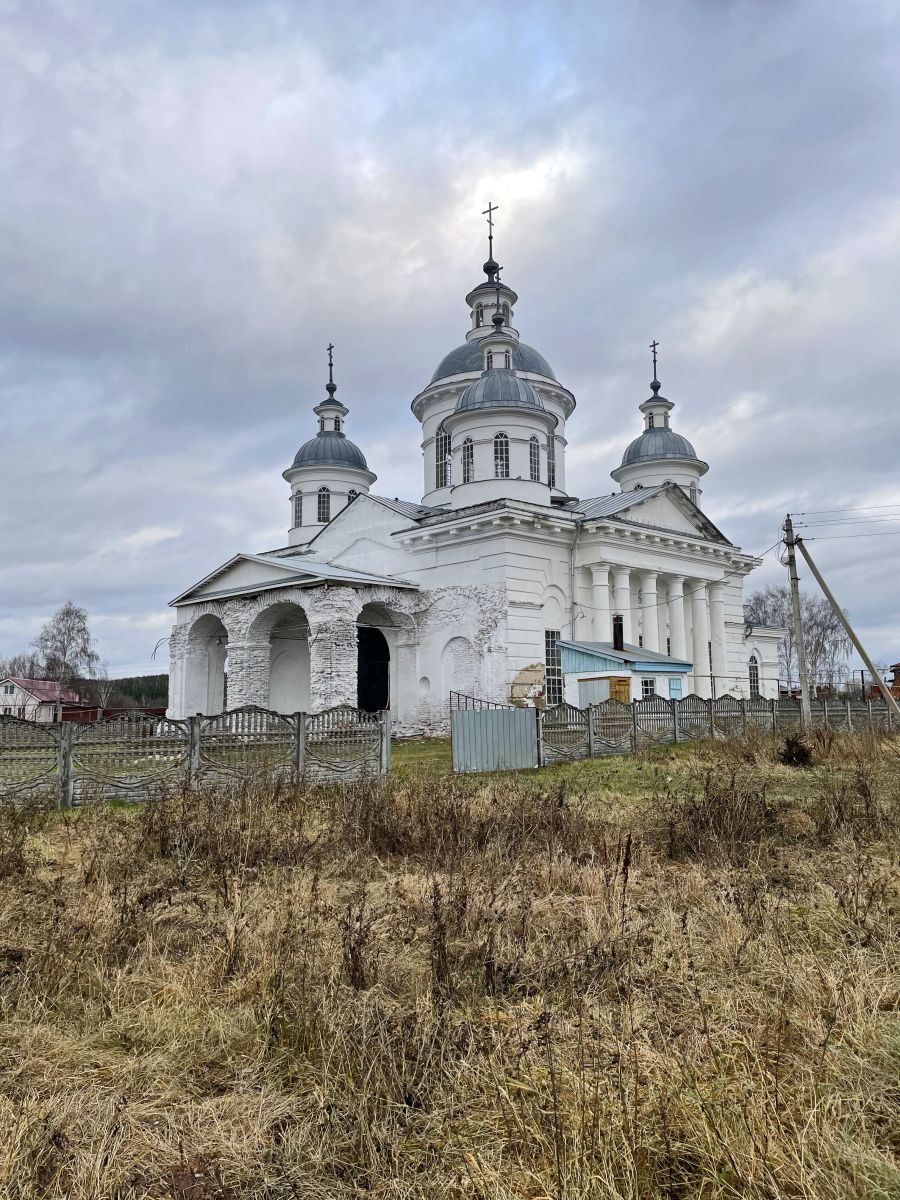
789,541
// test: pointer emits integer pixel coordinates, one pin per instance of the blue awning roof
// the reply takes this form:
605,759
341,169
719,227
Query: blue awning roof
601,656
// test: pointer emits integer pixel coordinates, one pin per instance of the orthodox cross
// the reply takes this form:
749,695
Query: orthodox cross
329,348
653,347
489,213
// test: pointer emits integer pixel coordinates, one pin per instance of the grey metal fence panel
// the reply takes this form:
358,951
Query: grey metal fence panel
494,740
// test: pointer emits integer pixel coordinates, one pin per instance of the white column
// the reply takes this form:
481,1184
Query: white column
721,682
622,590
676,617
662,617
700,622
649,618
602,623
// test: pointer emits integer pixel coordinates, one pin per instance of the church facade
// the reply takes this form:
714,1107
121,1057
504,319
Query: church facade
485,585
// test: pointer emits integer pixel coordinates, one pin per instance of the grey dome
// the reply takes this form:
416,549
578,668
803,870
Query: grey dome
469,357
658,443
499,388
330,447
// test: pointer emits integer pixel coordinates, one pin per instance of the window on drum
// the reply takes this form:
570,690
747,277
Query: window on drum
501,456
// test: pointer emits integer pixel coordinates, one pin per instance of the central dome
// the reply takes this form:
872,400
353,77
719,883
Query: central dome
499,388
469,357
658,443
330,448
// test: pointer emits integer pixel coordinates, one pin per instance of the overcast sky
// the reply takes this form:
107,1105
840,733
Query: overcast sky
195,197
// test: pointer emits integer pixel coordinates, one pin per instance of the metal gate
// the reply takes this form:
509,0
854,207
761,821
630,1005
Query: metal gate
501,739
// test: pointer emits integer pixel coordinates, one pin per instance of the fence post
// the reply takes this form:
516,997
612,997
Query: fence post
64,764
673,704
849,718
774,704
712,719
385,741
871,715
590,717
634,728
539,734
299,720
744,714
193,748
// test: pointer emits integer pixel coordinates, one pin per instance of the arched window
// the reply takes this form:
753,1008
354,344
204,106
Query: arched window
321,424
441,457
479,315
505,310
298,508
351,495
693,493
551,461
753,672
501,456
337,424
534,458
507,359
650,421
490,359
324,505
468,460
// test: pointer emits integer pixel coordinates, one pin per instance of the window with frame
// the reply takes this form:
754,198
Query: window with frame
669,647
337,424
490,359
324,505
468,460
501,456
298,508
441,457
504,309
675,687
648,688
479,315
534,458
693,492
650,421
553,677
507,359
551,461
9,689
753,673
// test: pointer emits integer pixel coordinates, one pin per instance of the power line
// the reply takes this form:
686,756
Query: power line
846,521
822,512
836,537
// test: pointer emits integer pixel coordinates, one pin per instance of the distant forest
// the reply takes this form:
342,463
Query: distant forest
140,691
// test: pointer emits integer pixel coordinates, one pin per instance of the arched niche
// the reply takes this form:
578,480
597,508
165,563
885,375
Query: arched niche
386,664
285,627
204,667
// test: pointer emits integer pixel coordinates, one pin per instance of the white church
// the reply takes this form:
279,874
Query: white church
498,584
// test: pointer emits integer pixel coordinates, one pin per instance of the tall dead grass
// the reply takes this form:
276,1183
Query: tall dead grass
526,988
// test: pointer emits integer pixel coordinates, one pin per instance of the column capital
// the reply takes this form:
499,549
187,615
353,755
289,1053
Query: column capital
599,572
649,577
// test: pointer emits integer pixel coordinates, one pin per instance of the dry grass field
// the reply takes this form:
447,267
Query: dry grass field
672,975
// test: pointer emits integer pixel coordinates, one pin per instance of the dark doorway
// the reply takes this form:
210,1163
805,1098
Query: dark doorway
373,667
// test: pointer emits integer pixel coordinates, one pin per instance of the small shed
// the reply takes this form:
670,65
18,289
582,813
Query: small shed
597,671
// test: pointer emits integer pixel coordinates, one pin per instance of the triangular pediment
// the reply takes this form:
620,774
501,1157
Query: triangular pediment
664,507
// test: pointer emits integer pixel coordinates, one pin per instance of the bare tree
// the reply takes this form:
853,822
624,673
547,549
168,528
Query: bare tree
66,647
99,687
827,645
21,666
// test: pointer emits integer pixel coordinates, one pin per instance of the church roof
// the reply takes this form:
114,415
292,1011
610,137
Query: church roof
658,443
468,358
499,388
608,506
330,448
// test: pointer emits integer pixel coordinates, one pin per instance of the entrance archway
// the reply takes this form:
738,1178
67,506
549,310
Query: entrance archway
373,691
204,667
286,628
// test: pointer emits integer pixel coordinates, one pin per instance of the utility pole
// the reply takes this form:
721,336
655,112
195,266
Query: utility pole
862,681
842,617
790,542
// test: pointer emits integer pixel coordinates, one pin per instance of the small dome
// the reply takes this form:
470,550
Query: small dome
469,357
658,443
499,388
330,448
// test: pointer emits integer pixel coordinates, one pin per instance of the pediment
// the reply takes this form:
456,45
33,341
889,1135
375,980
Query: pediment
669,508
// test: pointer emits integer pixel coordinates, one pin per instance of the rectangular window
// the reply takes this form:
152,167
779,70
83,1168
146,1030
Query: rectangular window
442,457
648,688
640,639
675,687
468,460
501,456
553,687
534,459
298,508
669,647
324,505
551,461
9,688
